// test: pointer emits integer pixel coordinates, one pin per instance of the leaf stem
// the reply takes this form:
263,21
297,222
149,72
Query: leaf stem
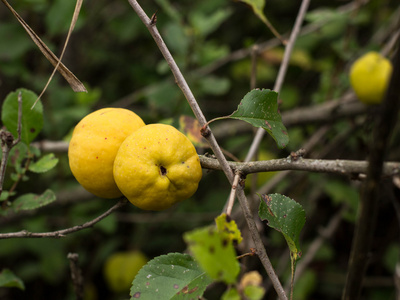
204,127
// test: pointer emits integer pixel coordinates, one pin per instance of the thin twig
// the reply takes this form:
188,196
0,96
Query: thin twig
282,72
232,195
76,275
63,232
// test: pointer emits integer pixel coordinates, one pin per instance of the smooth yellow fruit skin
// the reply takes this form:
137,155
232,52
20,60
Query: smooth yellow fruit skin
121,268
94,144
369,77
156,167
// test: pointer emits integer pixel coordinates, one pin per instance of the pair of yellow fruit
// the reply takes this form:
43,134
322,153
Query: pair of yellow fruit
113,153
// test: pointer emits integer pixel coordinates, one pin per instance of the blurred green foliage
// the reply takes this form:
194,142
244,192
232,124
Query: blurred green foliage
112,52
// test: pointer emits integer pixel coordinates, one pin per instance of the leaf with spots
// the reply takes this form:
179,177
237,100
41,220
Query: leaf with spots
228,228
32,201
285,215
215,253
173,276
260,109
191,128
31,119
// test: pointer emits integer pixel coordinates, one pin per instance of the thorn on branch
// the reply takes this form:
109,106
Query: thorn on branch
242,180
294,156
251,253
7,139
153,19
205,131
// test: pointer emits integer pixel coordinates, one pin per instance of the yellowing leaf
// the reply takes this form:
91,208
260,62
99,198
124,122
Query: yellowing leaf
228,228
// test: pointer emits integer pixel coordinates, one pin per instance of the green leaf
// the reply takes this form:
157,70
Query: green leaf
4,195
215,253
288,217
260,109
253,292
205,23
16,40
18,157
258,8
231,294
213,85
8,279
173,276
31,120
44,164
32,201
285,215
341,192
306,284
251,286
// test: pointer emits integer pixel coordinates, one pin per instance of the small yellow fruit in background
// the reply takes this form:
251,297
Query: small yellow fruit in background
121,268
156,167
94,144
370,76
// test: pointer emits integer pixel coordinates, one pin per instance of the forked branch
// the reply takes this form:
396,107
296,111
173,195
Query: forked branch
181,81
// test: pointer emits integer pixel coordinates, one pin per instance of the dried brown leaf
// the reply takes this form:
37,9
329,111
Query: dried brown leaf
73,81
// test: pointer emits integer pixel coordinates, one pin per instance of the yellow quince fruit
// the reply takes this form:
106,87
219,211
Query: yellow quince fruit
370,76
94,144
121,268
156,167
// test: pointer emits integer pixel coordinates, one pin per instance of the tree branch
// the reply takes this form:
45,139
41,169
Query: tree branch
336,166
76,275
63,232
365,225
213,144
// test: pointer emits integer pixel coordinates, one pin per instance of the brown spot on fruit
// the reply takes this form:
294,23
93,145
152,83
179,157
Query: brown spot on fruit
136,295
